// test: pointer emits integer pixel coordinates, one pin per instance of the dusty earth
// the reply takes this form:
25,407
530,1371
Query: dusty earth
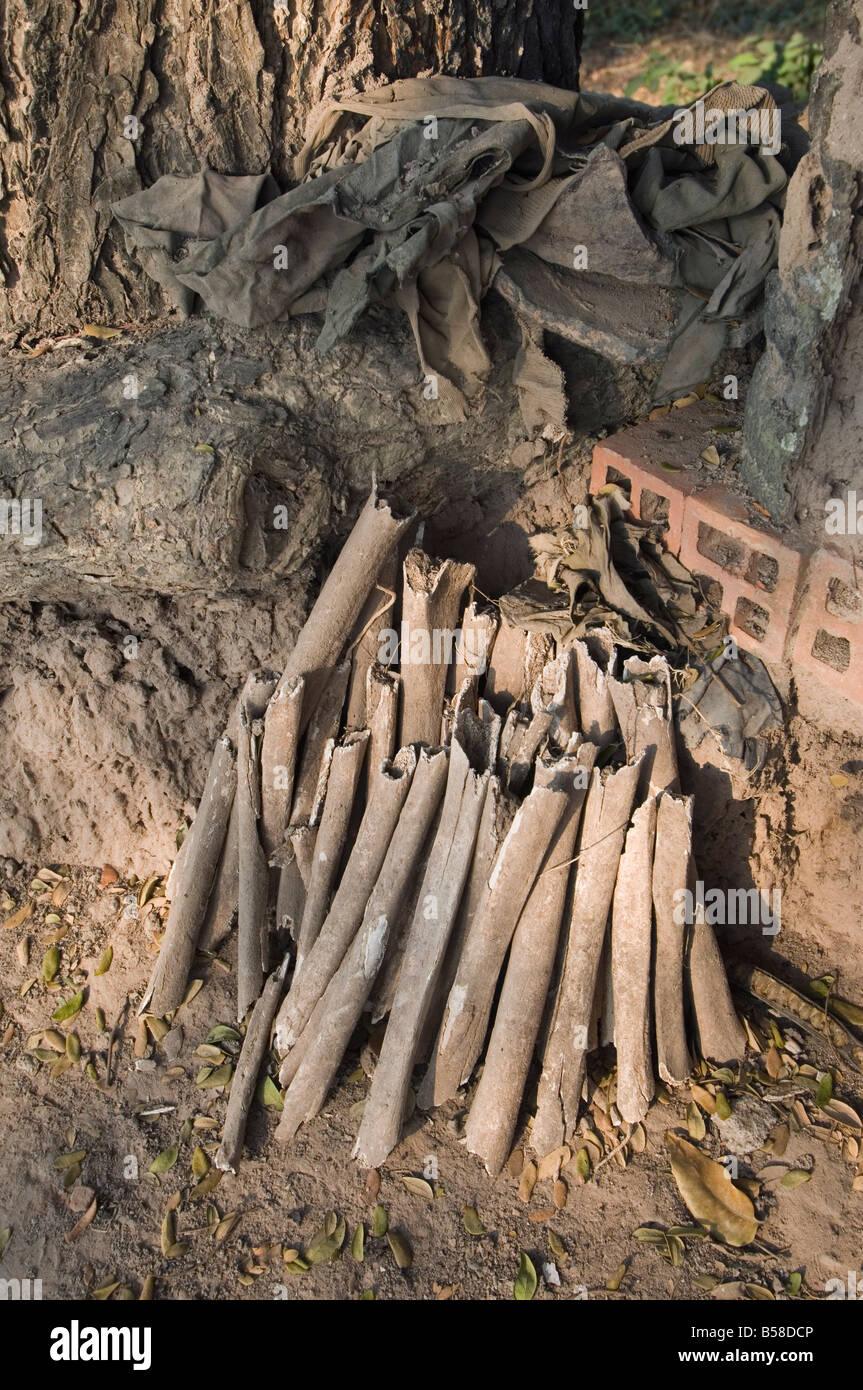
282,1198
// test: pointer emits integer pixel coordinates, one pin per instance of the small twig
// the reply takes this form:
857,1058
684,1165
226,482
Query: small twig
616,1150
391,598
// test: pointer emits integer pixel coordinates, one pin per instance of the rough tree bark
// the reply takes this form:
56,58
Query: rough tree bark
98,101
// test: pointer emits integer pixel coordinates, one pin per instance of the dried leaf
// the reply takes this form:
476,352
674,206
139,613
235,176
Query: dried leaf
50,963
842,1114
418,1187
524,1287
380,1221
613,1284
527,1182
100,330
358,1243
557,1247
695,1122
105,961
207,1185
20,917
195,987
268,1094
402,1253
796,1177
147,889
711,455
225,1226
515,1163
550,1166
779,1140
471,1222
221,1076
723,1109
222,1033
103,1293
61,892
83,1223
710,1194
200,1163
70,1008
159,1028
5,1237
164,1161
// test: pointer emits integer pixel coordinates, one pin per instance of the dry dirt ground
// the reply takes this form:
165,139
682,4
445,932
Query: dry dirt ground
97,1108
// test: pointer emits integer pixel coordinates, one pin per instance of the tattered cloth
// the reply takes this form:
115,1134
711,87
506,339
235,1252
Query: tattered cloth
610,574
424,193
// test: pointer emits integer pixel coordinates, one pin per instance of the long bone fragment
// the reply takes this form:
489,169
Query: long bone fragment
604,823
471,756
312,1064
493,1115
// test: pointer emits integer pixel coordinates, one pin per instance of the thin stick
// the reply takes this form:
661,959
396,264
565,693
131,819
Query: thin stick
645,713
252,945
245,1077
278,762
631,946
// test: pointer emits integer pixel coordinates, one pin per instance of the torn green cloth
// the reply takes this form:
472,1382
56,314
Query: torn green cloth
580,209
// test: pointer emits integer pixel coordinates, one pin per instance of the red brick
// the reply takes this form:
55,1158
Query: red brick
659,456
759,576
831,616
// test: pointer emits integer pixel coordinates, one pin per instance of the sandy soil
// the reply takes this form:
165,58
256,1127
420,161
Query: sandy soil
282,1197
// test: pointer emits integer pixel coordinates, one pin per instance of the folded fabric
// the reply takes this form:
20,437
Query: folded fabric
584,211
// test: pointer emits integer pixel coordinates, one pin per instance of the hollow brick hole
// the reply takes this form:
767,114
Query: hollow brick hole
833,651
654,507
844,602
752,619
728,554
763,571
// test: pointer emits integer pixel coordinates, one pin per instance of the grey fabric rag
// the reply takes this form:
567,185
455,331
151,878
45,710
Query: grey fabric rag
709,708
583,211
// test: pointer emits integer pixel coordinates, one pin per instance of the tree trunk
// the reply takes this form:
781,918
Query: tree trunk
97,101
